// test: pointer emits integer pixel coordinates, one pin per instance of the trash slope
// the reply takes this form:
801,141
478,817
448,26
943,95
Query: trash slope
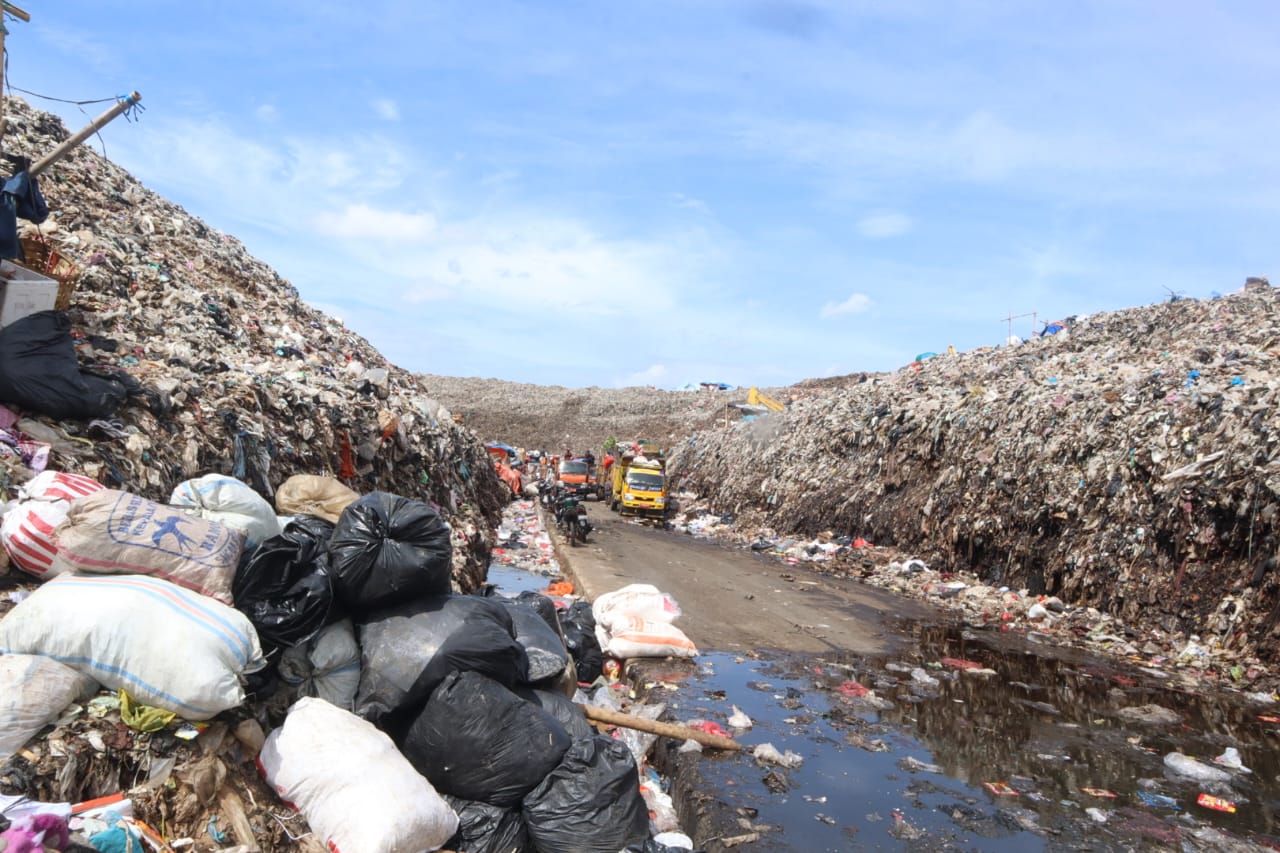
1128,463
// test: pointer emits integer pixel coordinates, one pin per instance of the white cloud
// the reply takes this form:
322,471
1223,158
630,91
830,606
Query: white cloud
363,202
858,303
533,261
879,226
687,203
386,109
267,112
651,375
502,177
281,181
365,222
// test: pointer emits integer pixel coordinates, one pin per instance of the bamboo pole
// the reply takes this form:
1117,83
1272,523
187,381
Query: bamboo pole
655,727
84,133
3,33
21,15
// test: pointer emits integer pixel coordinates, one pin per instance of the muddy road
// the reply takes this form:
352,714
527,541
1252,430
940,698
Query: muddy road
918,733
736,600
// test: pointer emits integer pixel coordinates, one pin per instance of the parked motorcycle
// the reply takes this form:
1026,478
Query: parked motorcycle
571,516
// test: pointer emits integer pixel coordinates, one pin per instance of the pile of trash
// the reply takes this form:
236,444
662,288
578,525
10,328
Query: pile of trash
557,419
194,357
1128,463
522,543
396,712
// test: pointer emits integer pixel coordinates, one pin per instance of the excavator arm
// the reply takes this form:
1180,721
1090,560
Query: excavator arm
755,398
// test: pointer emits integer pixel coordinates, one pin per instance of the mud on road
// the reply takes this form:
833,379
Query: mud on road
735,600
918,733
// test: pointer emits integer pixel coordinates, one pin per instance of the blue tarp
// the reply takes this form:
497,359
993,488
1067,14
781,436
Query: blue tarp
494,445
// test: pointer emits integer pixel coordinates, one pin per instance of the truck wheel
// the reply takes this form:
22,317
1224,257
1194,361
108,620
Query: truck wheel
613,505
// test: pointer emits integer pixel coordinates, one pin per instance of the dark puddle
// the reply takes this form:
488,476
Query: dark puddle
1045,730
512,581
907,766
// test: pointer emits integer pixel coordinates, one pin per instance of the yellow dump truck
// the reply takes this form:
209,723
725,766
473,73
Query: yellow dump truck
639,487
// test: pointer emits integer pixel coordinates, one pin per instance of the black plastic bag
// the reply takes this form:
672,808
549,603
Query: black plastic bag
406,651
387,550
579,627
483,828
591,801
283,585
477,740
547,654
540,604
39,371
569,715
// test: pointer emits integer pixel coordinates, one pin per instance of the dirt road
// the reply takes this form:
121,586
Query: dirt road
733,600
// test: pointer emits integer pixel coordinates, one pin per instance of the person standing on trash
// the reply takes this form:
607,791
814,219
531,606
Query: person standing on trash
590,459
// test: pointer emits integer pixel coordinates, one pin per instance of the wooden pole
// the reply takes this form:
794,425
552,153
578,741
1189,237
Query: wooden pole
655,727
84,133
3,32
9,9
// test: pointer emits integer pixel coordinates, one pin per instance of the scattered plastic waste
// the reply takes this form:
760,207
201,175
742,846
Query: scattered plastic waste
919,676
1184,765
1159,801
739,720
912,764
1230,759
767,753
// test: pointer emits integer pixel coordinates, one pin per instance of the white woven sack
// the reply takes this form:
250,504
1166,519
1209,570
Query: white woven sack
58,486
637,599
167,646
27,529
637,637
34,691
27,534
356,790
224,499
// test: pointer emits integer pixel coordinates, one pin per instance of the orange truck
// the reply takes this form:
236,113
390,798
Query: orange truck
576,478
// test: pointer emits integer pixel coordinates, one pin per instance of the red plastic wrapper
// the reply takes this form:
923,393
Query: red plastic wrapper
1216,803
1000,789
1098,792
712,728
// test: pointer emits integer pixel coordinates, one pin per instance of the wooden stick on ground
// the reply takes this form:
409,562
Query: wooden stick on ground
617,718
233,811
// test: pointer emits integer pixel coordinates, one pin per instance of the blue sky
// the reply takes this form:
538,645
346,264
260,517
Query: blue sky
748,191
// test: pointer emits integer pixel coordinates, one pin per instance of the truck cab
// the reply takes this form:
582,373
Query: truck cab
574,478
639,487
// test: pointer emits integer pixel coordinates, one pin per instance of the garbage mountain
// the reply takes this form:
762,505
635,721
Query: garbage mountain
1129,462
238,375
554,418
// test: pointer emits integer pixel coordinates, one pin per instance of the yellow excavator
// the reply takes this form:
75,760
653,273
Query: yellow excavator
755,398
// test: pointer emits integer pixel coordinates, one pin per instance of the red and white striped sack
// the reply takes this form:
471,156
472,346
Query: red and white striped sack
27,529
